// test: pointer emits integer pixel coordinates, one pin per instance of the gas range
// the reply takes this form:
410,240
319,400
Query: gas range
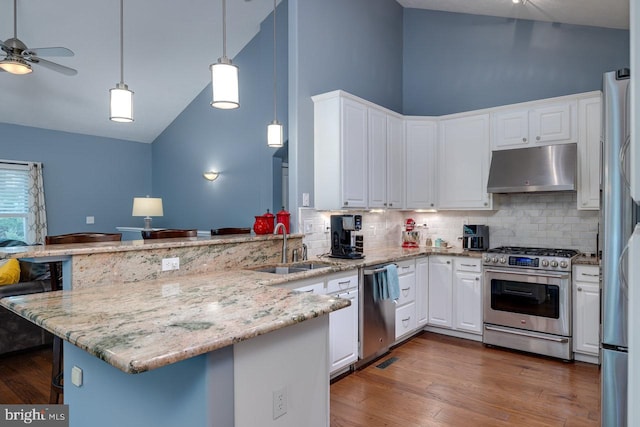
531,258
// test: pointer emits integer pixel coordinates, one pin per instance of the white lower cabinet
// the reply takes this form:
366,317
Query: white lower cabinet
405,319
455,295
343,333
586,312
422,291
406,307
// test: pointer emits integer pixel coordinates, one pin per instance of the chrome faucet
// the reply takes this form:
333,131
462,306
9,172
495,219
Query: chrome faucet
284,240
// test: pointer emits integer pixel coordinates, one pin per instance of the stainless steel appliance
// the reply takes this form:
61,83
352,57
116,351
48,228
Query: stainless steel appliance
475,237
378,320
527,300
618,215
343,240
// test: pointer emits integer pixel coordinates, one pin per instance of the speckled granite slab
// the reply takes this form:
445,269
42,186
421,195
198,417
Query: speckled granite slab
147,325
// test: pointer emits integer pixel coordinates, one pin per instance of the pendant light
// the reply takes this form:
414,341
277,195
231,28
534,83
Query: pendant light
121,108
275,128
224,75
13,63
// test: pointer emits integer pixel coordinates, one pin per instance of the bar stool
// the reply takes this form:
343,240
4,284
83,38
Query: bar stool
168,233
229,230
56,284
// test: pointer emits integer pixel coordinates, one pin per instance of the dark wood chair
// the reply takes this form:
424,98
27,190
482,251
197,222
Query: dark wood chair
168,233
229,230
56,284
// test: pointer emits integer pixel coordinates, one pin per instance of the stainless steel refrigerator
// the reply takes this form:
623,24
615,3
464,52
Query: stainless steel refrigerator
618,216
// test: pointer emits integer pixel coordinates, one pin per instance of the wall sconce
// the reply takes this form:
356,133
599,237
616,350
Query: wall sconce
211,175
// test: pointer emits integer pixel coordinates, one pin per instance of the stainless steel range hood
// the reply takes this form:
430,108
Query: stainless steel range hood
544,168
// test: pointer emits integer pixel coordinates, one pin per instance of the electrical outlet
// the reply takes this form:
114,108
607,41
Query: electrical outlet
308,226
327,227
76,376
170,264
305,199
90,220
279,403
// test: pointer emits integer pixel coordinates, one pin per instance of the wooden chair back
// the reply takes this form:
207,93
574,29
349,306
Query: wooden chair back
168,233
229,230
82,238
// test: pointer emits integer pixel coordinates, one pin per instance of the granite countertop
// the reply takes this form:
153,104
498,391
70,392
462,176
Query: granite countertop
41,251
586,260
147,325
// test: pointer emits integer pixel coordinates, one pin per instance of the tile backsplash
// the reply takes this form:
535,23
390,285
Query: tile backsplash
535,219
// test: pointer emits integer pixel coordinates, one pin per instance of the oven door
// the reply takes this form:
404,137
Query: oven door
528,299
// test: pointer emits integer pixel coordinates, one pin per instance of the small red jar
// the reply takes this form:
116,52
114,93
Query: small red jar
283,217
270,218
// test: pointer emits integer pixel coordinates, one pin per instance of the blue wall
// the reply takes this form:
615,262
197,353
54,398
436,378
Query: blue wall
83,176
232,142
354,45
458,62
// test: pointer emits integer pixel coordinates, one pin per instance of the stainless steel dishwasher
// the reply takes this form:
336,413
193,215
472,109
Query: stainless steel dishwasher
378,319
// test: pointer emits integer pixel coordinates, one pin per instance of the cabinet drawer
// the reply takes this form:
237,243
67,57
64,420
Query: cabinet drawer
343,283
405,319
468,264
314,288
584,273
407,286
406,267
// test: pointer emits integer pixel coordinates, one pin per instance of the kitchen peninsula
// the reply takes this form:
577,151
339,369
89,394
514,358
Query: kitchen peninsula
208,348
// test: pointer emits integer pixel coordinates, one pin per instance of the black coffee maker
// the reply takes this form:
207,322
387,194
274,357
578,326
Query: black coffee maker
475,237
342,237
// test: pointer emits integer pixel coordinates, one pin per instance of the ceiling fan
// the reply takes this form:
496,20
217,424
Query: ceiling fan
19,57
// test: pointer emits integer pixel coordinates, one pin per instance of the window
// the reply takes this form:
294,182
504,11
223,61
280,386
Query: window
14,201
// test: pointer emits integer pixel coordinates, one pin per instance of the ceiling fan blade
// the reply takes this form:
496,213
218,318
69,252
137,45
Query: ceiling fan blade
53,66
49,51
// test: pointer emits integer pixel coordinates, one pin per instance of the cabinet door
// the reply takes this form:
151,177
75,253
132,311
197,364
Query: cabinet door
354,154
463,166
555,123
422,291
589,131
395,162
468,302
510,129
587,318
405,320
343,333
377,158
407,282
421,140
440,291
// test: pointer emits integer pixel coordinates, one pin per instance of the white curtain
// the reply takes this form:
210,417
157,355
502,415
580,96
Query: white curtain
37,223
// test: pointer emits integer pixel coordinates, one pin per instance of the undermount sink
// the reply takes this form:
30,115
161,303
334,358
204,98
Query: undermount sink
297,267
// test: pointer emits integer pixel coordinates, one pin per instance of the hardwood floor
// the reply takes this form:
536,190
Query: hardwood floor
444,381
25,377
435,381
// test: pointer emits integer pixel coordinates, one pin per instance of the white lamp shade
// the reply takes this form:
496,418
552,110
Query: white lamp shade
121,108
147,206
275,134
224,84
15,66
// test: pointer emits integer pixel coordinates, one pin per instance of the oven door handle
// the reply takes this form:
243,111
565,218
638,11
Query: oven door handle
519,273
524,334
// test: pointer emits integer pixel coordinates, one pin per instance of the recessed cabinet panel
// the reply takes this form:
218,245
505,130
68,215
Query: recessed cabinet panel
377,158
354,154
421,141
396,169
510,129
440,291
554,124
590,129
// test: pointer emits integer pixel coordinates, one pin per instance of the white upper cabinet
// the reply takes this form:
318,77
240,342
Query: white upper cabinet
540,123
396,170
377,158
589,132
463,162
421,137
340,152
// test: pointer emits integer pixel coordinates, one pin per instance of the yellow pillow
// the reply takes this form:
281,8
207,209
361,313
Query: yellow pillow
9,272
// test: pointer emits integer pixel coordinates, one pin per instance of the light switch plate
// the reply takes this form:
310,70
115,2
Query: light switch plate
91,220
308,226
76,376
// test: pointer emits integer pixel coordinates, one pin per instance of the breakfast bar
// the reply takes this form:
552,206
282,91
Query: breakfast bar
218,348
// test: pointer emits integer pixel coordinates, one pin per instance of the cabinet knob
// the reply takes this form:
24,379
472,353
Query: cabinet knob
448,262
537,138
486,204
384,204
579,289
390,204
477,278
431,204
524,139
346,203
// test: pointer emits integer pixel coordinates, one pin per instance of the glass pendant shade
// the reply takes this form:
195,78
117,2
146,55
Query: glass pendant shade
224,83
121,107
15,66
275,134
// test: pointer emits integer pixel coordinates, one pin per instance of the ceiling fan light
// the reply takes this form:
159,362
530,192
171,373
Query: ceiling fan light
15,66
121,106
224,84
275,134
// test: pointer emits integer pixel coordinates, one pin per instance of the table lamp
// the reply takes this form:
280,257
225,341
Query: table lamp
147,207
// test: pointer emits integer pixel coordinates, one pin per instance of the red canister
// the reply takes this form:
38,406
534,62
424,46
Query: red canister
270,218
283,217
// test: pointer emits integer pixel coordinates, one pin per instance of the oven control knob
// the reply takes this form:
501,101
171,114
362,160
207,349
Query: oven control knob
545,263
487,258
563,264
494,259
503,260
554,264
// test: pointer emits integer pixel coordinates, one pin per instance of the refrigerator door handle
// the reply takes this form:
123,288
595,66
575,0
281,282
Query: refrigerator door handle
622,158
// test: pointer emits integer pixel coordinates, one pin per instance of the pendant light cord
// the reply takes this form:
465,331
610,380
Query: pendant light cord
15,19
224,29
122,41
275,114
